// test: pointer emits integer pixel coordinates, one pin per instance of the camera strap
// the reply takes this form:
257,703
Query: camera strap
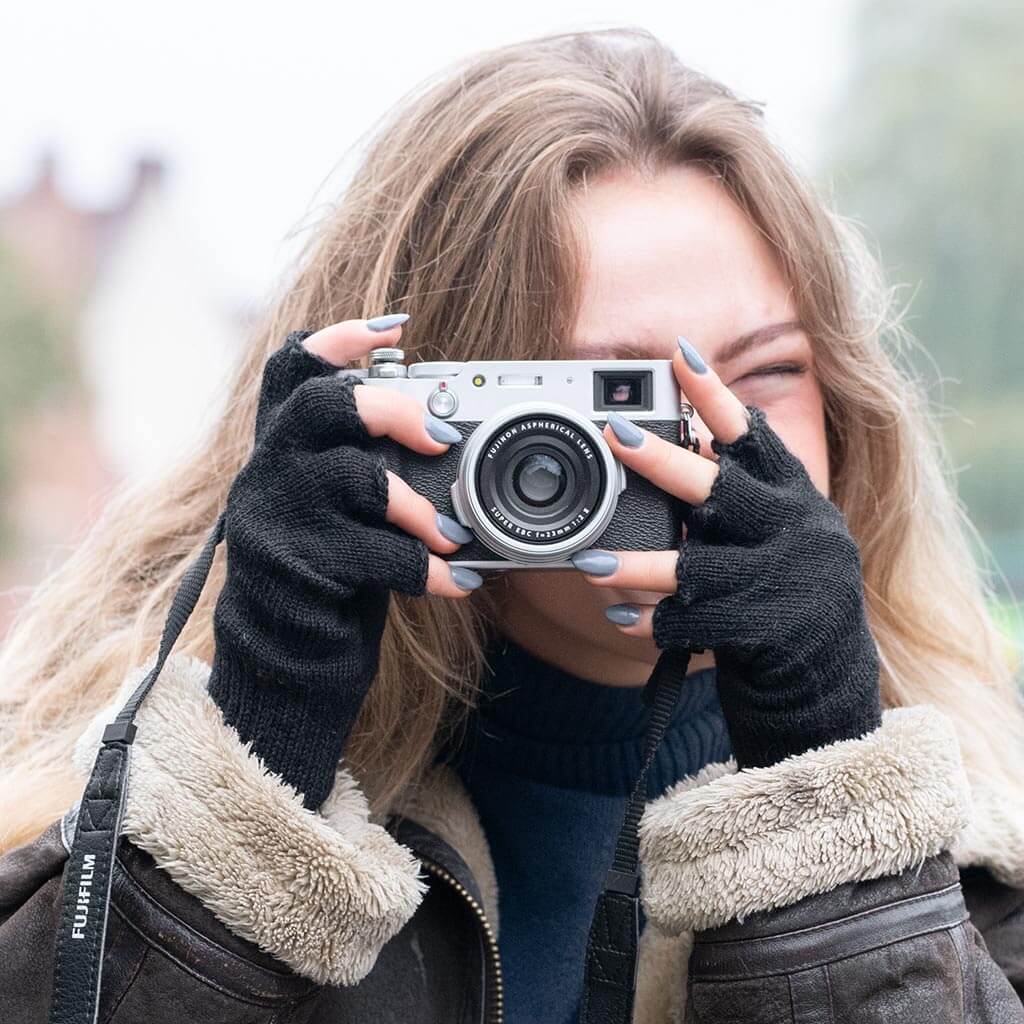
609,985
609,981
85,901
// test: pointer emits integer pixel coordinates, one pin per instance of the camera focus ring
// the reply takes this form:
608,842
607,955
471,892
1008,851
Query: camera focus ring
536,483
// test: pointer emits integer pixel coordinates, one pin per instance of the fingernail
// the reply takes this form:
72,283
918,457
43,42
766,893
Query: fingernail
386,322
439,430
596,563
622,614
453,530
625,430
692,356
466,579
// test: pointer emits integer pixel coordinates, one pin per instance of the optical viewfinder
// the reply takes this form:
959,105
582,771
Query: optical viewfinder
624,390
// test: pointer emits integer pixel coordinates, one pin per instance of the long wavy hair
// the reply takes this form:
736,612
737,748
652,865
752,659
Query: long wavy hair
461,214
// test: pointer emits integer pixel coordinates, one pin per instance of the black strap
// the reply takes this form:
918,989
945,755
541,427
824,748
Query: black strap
609,984
78,960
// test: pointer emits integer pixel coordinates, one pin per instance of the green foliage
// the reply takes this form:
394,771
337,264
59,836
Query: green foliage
33,363
929,153
926,151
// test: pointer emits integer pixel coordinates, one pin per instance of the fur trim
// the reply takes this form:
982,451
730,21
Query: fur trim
441,804
322,891
662,965
717,846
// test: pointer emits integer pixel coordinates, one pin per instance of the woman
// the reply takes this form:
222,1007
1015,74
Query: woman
804,855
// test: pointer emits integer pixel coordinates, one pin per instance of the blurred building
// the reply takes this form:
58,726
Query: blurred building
148,340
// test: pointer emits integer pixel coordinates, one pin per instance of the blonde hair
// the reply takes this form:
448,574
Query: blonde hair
461,215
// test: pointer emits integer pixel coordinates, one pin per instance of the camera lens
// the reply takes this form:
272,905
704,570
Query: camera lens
539,479
536,482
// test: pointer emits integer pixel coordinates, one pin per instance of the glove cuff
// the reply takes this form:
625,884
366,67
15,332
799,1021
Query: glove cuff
800,706
297,734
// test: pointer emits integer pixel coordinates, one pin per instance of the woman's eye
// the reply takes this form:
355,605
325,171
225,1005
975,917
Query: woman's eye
775,370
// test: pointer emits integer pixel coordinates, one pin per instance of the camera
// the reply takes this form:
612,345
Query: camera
534,478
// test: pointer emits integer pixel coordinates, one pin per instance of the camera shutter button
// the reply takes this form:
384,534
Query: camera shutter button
442,402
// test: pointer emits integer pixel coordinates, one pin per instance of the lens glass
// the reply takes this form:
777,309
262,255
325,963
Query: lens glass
539,479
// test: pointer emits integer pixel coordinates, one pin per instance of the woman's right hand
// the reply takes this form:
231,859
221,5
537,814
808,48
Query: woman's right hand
403,419
318,534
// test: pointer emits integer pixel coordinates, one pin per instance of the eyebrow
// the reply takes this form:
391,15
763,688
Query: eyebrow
759,336
631,349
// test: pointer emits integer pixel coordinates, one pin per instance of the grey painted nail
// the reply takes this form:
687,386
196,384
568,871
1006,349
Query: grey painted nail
453,530
625,430
596,563
466,579
622,614
439,430
386,322
692,356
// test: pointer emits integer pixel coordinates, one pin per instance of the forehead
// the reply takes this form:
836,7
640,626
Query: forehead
671,254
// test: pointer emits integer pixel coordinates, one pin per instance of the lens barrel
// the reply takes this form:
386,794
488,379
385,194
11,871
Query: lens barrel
537,482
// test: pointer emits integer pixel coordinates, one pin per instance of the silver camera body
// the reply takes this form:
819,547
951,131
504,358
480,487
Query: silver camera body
534,478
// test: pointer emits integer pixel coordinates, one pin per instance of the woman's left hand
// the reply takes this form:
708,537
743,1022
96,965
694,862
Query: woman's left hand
767,576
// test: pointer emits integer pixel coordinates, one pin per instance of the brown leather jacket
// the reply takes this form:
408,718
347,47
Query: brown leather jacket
865,881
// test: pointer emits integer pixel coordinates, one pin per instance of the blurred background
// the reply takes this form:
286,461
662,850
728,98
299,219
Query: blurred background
158,167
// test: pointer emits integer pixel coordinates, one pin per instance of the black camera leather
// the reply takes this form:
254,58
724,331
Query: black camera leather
646,518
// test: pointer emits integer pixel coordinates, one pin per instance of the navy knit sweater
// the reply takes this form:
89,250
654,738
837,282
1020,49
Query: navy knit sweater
549,760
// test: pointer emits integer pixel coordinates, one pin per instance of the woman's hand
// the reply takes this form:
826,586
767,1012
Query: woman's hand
767,576
318,534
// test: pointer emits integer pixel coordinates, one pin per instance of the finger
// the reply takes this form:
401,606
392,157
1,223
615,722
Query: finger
412,512
720,410
630,570
327,411
445,580
676,470
387,413
632,619
349,340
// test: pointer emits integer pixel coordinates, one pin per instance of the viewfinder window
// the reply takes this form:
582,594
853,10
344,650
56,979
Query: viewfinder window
627,390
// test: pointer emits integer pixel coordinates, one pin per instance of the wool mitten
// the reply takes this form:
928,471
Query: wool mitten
311,563
769,578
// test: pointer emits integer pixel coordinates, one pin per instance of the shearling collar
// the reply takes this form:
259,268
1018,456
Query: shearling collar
723,844
323,891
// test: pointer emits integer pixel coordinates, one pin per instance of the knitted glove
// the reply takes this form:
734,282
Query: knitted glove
310,566
770,580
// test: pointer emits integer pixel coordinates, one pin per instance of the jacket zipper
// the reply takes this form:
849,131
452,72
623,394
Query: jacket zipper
494,997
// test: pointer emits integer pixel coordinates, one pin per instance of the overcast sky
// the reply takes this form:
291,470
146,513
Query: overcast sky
255,105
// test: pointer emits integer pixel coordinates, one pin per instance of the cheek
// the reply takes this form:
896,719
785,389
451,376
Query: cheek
808,444
799,420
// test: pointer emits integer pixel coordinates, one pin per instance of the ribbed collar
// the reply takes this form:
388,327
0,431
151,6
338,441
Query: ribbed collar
540,722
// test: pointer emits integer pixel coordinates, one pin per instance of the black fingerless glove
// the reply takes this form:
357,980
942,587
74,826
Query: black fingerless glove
310,566
770,580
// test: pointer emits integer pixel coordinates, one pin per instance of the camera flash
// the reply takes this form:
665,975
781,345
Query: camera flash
479,380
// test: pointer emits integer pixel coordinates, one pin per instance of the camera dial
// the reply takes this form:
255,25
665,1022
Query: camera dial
387,362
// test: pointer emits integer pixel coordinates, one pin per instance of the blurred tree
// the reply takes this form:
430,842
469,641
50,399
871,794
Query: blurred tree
926,151
33,365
